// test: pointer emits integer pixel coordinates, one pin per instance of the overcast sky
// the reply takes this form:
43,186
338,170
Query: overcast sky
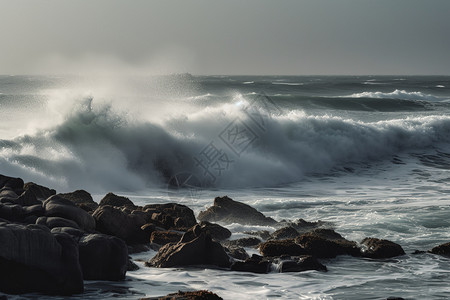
225,37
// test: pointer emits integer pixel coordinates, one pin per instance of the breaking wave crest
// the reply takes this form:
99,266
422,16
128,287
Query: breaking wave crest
97,148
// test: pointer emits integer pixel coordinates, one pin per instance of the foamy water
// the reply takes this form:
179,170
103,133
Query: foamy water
370,159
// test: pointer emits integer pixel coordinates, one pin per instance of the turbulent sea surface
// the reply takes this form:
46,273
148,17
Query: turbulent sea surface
369,154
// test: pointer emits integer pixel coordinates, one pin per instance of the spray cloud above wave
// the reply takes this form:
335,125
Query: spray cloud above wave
114,139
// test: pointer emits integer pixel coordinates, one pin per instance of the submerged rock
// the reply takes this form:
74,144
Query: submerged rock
226,210
377,248
254,264
195,295
443,249
301,264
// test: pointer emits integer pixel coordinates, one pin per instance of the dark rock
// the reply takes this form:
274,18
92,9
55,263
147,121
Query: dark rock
52,222
138,248
103,257
301,264
243,242
27,198
41,192
303,226
7,195
237,252
171,215
281,248
15,184
377,248
255,264
226,210
34,260
11,212
326,243
56,206
395,298
195,295
76,234
285,233
114,200
34,210
443,249
263,234
82,199
131,266
216,231
165,237
113,221
195,248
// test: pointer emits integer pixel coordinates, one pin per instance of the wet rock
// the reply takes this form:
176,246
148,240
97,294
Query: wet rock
113,221
195,248
195,295
237,252
326,243
103,257
443,249
131,266
281,248
216,231
284,233
34,260
243,242
254,264
165,237
226,210
303,226
115,200
377,248
56,206
52,222
301,264
41,192
172,215
82,199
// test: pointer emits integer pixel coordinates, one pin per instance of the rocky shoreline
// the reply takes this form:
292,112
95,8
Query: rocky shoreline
50,243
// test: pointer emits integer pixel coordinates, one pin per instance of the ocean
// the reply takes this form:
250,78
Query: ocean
370,155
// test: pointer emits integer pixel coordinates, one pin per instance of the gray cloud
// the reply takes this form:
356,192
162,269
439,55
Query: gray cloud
226,37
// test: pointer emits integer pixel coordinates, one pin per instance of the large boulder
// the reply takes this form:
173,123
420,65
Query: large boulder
56,206
11,212
15,184
103,257
288,232
115,200
226,210
281,248
377,248
216,231
195,248
34,260
443,249
82,199
41,192
113,221
171,215
52,222
326,243
165,237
